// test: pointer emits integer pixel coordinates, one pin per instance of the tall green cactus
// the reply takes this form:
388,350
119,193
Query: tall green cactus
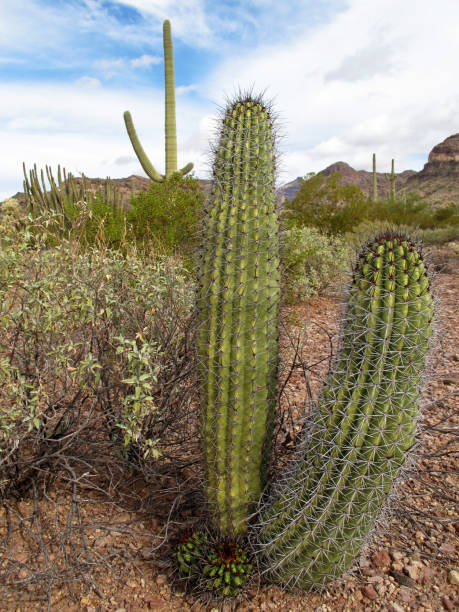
238,308
374,194
392,182
363,425
170,126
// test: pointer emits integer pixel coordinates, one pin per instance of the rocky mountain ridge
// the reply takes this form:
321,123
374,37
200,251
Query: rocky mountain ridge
437,182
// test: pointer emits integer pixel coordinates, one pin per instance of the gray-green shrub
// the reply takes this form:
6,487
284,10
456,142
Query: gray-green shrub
87,335
312,262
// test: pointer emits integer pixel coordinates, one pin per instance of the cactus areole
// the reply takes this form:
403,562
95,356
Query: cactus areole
238,300
363,426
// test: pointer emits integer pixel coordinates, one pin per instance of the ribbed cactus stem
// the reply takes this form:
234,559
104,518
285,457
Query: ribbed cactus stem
238,307
374,195
363,426
392,182
170,128
170,123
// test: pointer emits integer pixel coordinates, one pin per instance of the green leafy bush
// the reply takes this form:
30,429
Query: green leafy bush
166,215
11,216
327,204
311,262
335,208
88,339
97,222
411,210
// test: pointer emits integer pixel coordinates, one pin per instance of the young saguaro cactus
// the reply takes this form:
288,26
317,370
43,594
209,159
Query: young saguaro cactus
170,125
238,302
363,426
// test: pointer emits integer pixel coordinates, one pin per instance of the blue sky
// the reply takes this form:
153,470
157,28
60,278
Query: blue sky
347,77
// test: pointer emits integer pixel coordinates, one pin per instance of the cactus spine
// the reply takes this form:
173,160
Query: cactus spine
170,125
238,307
374,195
363,425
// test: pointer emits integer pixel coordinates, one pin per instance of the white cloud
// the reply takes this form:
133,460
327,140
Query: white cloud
380,77
146,60
83,130
184,89
88,82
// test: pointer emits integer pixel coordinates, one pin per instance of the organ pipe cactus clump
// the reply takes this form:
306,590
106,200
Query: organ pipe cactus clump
363,426
238,302
170,125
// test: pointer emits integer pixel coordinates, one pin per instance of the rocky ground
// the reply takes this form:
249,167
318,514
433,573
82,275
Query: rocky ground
412,566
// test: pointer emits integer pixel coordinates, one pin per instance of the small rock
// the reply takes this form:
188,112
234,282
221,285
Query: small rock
369,591
427,575
447,603
396,608
453,577
403,580
146,554
376,579
413,571
381,559
397,555
405,594
161,579
448,548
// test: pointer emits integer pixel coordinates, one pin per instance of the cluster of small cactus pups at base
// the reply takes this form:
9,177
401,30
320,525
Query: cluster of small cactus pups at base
227,568
220,567
189,553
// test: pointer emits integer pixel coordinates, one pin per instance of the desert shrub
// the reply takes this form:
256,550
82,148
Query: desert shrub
411,210
11,216
312,262
327,205
97,222
167,215
335,208
88,337
440,235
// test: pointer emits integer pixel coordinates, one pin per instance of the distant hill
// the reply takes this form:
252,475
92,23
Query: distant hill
437,182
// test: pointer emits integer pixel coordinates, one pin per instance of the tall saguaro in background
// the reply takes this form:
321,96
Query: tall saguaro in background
374,195
392,182
170,123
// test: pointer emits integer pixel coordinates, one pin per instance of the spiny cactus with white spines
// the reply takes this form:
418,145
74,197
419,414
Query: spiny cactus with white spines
238,303
363,427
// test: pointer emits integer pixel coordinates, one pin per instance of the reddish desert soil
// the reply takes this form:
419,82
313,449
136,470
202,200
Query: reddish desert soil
412,566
